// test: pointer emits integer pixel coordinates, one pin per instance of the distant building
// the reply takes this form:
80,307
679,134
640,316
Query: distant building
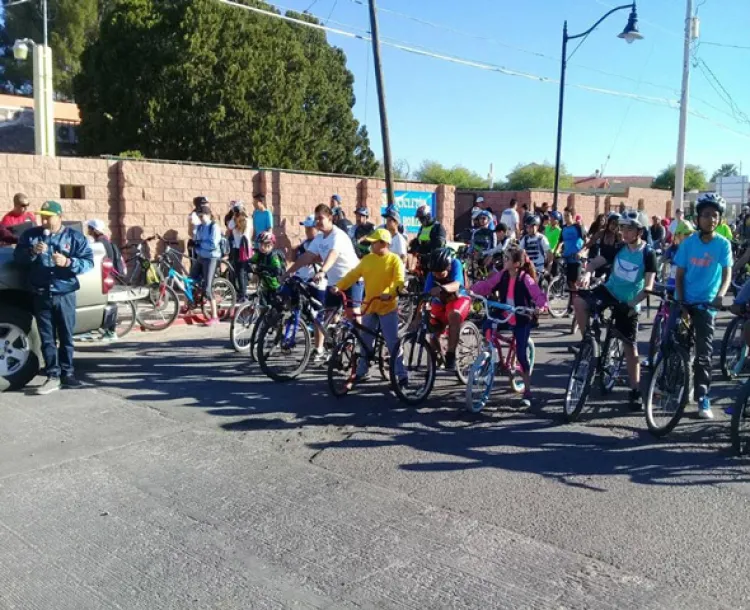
17,125
615,184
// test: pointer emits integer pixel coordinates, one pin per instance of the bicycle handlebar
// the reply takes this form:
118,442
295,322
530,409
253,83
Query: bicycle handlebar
671,299
510,309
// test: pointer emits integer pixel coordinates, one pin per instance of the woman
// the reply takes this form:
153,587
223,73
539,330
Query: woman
599,224
262,218
208,252
240,240
606,242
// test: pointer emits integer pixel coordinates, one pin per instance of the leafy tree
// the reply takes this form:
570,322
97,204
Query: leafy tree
460,177
400,170
535,176
727,169
201,81
695,178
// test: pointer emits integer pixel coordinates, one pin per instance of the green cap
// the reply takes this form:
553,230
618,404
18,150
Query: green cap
51,208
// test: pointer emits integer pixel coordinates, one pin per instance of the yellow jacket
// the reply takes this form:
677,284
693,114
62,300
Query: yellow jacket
382,275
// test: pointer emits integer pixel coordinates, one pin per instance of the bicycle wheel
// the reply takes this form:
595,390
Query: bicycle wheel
419,360
657,334
733,349
558,297
579,382
516,379
741,422
243,324
253,349
225,296
284,345
469,345
406,308
668,391
480,381
160,309
613,356
342,365
126,317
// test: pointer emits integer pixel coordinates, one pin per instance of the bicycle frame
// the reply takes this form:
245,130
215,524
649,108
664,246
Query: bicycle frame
184,282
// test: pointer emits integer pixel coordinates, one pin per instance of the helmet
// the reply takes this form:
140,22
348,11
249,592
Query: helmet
613,216
266,237
556,215
199,201
713,199
630,218
476,211
532,219
441,259
684,228
424,211
337,211
237,206
746,209
484,214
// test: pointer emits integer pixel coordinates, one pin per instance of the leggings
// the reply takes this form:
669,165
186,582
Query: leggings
522,332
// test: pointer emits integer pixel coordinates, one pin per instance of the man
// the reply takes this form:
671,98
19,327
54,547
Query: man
398,242
341,221
431,236
678,218
642,216
306,273
632,274
362,229
510,219
623,208
743,224
704,264
536,246
55,256
658,233
262,217
20,212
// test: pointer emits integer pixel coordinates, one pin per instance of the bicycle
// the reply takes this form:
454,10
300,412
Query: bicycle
733,356
558,293
481,378
659,326
221,289
594,358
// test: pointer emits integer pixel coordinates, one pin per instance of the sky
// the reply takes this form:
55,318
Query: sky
456,114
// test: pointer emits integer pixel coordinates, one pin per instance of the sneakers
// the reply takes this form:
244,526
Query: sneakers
70,381
450,361
528,399
109,336
212,321
704,408
636,401
51,385
319,357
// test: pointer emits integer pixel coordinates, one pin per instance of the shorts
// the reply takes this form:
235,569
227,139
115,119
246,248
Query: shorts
625,318
354,296
441,311
572,271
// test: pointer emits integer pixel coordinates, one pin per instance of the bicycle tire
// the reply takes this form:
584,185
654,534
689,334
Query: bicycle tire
572,405
480,382
672,371
160,310
226,301
469,345
740,415
253,352
415,351
516,379
729,342
126,317
558,290
243,324
277,323
611,363
654,342
343,360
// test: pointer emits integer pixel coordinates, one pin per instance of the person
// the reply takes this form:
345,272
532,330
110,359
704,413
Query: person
510,219
684,230
704,263
341,221
55,256
399,247
208,253
599,224
97,230
240,235
306,273
658,233
743,224
502,241
20,212
523,215
679,216
362,229
553,230
724,230
7,237
431,236
606,243
267,263
194,221
449,305
262,217
633,272
516,285
334,251
483,237
383,273
642,215
536,246
570,246
622,208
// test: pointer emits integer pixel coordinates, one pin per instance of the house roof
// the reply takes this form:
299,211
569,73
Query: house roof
608,182
64,111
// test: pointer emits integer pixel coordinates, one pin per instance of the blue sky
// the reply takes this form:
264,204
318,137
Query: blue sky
462,115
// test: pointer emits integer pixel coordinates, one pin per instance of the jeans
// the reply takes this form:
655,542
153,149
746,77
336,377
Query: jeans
204,269
240,273
703,325
56,320
389,325
522,332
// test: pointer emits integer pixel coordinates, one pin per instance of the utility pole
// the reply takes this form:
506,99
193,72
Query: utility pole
381,103
679,173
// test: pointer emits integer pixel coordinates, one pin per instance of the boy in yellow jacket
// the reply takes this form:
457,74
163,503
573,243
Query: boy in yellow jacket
383,273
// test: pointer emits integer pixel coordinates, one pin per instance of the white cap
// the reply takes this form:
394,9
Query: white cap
475,211
309,221
480,199
97,225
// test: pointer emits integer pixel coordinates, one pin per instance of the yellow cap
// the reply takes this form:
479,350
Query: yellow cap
380,235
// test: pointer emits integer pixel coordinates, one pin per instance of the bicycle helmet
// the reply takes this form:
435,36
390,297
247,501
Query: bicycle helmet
613,216
266,237
485,214
685,227
424,211
556,215
630,218
441,259
532,219
711,199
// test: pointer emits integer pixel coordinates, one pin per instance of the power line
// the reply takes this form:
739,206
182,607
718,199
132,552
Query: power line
724,45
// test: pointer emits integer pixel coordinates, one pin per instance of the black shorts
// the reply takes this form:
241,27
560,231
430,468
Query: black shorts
573,272
625,318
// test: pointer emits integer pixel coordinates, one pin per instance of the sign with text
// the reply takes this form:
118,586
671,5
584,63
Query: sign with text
407,203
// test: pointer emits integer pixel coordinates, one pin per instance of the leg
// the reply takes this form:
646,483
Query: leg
454,329
241,272
389,326
522,334
65,322
46,325
209,271
581,308
370,321
703,323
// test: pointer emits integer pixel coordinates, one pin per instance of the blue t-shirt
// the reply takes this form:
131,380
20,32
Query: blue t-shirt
572,240
703,264
455,274
262,221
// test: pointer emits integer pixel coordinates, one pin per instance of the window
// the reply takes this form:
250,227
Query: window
72,191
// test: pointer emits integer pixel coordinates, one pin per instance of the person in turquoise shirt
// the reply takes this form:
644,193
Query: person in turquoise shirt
704,265
262,218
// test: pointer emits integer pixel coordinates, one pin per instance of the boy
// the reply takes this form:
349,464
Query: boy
536,245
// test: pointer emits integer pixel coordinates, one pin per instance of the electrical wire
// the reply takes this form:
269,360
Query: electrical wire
724,45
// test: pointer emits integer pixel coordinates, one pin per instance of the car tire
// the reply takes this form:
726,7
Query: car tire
23,326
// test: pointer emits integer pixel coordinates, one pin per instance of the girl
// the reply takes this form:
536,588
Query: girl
516,285
208,252
240,240
606,243
599,224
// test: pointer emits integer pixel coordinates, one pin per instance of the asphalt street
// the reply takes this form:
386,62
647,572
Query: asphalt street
182,478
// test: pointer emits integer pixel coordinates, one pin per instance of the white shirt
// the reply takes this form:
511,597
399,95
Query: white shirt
398,244
339,241
237,236
509,218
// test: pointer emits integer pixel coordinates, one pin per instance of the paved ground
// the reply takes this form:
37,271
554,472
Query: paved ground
182,479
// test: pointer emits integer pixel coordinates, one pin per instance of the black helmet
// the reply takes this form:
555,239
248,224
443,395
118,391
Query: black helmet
423,211
532,219
441,259
711,199
199,201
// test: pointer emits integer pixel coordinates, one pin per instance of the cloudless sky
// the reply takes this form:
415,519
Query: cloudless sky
462,115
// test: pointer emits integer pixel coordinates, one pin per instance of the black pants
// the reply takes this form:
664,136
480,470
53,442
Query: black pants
56,318
240,273
703,325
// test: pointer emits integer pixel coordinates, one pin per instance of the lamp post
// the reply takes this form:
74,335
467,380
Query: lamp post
630,34
691,33
44,118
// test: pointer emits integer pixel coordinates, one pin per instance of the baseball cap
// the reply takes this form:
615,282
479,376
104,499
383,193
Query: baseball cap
479,200
51,208
362,212
391,212
309,221
97,225
379,235
336,198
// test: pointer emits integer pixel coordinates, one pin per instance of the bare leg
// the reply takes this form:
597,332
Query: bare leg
454,328
582,313
634,366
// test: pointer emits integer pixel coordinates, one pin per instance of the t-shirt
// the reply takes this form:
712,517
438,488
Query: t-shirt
724,230
509,218
11,220
658,233
572,239
703,264
383,275
537,248
629,270
553,236
456,274
339,241
262,221
399,245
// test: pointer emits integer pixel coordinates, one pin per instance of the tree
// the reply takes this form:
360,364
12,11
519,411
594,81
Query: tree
434,173
727,169
535,176
695,178
201,81
400,170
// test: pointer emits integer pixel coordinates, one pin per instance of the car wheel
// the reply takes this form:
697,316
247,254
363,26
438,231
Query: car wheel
20,348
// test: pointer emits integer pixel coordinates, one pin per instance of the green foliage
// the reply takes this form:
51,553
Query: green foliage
727,169
198,80
534,176
131,154
433,172
695,178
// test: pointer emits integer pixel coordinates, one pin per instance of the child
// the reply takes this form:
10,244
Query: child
516,285
268,264
502,241
684,230
482,240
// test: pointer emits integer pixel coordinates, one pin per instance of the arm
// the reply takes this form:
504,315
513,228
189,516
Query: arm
539,298
23,254
437,237
650,266
487,285
595,264
726,281
399,279
679,284
308,258
592,240
350,278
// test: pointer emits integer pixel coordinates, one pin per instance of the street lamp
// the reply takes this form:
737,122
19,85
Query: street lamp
630,34
44,117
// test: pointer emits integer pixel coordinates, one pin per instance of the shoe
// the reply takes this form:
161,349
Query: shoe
450,361
362,378
403,383
704,408
636,401
527,400
109,337
49,386
320,357
212,321
70,381
87,337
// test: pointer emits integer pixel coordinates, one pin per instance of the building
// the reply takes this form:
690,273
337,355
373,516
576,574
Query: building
17,125
614,184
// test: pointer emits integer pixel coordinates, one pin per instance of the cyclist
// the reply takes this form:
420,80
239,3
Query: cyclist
482,240
682,231
208,253
606,243
268,264
362,229
340,219
704,264
431,236
450,305
383,272
633,272
536,246
570,245
552,231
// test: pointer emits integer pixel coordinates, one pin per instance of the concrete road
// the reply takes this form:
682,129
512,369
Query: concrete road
180,478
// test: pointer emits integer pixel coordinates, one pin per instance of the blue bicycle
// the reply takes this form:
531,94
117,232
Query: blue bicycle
194,296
